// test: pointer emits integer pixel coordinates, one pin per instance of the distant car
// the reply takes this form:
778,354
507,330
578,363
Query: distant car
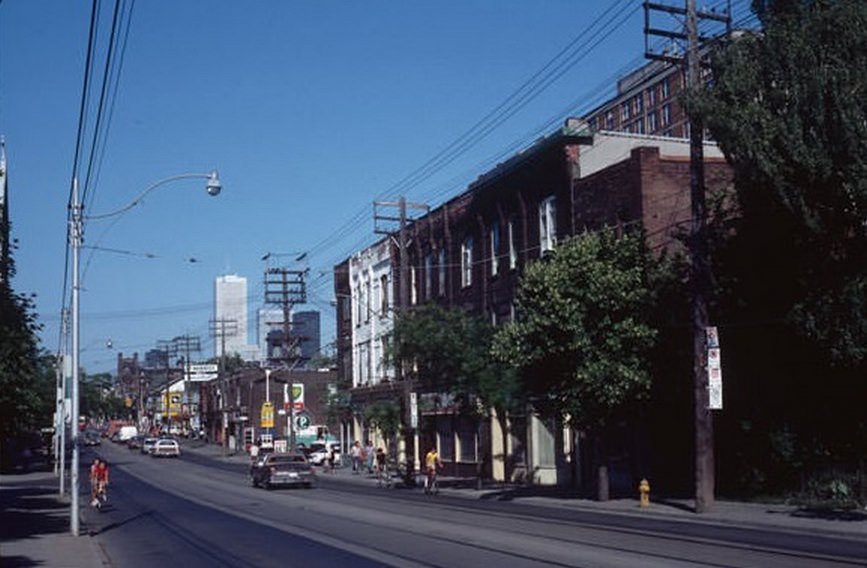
287,468
166,448
92,438
135,442
147,445
318,453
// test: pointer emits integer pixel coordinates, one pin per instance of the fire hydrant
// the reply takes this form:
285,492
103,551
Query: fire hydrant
644,493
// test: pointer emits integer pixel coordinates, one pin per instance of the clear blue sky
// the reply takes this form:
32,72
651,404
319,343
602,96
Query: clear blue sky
309,109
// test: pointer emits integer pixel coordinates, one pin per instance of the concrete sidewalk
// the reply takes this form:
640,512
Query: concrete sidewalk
842,524
34,525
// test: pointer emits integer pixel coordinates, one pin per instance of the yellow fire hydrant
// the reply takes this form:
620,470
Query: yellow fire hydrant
644,493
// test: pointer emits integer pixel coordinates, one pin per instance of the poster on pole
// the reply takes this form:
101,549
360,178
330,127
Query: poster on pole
714,386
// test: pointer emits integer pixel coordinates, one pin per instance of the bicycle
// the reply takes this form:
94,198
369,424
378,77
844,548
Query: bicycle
431,482
383,477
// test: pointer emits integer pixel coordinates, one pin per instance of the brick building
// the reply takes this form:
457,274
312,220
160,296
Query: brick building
469,253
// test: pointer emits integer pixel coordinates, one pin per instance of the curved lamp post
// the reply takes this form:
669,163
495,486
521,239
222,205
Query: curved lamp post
76,233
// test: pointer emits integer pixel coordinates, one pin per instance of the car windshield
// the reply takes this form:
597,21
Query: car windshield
287,459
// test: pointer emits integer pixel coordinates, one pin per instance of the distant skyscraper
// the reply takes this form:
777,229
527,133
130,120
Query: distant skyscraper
305,328
230,313
269,319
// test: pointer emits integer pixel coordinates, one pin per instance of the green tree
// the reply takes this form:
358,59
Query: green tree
448,350
786,108
385,417
21,405
787,111
582,336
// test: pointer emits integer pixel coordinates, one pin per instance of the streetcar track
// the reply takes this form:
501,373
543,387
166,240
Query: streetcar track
381,500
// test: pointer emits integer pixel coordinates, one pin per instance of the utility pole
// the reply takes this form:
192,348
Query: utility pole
186,344
402,303
699,276
286,288
221,328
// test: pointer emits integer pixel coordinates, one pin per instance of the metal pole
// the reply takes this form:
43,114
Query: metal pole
76,235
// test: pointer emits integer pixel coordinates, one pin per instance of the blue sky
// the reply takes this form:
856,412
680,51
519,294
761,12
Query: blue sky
310,110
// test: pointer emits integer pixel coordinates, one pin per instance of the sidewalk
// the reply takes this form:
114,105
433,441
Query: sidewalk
841,524
34,525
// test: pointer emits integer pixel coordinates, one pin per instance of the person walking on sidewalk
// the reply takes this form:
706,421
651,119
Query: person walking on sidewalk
369,455
355,455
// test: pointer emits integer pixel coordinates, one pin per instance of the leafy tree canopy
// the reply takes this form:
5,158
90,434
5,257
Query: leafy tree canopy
788,108
449,351
582,337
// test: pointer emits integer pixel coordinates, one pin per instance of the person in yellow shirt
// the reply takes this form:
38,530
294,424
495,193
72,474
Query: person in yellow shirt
432,464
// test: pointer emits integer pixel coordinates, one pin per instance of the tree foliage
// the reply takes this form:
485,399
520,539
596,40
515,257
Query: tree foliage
582,336
787,107
448,350
23,404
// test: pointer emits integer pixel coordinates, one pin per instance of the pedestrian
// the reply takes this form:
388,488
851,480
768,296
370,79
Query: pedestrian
331,459
355,453
254,451
369,454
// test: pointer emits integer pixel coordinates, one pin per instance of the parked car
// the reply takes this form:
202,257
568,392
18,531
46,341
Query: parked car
318,453
166,448
147,445
287,468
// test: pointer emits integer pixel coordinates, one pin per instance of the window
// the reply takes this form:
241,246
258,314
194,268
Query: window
368,300
513,251
639,103
609,120
639,126
547,224
666,114
651,122
624,112
442,272
383,296
544,442
428,275
651,96
467,262
495,249
466,441
359,304
665,88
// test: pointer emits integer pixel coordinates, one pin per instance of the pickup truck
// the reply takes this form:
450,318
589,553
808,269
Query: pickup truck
275,469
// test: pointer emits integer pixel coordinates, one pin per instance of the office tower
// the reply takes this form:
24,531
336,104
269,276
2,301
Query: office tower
305,329
230,314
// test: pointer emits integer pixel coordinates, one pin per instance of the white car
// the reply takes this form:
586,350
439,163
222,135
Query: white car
319,453
166,448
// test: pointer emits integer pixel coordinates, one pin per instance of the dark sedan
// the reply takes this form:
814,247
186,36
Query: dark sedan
277,469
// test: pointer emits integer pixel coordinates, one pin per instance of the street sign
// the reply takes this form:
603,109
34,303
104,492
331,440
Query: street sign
267,415
413,410
203,368
202,377
302,421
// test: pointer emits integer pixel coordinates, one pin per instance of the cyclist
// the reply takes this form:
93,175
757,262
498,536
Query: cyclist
101,476
94,486
432,464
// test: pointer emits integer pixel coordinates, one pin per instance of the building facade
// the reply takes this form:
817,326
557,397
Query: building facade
469,253
230,314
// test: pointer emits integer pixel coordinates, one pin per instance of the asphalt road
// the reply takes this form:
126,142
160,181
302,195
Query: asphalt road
195,511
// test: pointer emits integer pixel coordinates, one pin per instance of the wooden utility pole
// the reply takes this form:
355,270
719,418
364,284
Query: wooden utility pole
699,276
285,288
402,302
222,328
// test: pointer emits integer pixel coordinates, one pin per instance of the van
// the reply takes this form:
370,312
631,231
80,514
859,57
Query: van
127,432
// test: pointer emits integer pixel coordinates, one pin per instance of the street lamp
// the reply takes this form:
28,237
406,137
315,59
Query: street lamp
76,234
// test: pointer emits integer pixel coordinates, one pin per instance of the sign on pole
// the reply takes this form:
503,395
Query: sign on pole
714,370
413,410
297,396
